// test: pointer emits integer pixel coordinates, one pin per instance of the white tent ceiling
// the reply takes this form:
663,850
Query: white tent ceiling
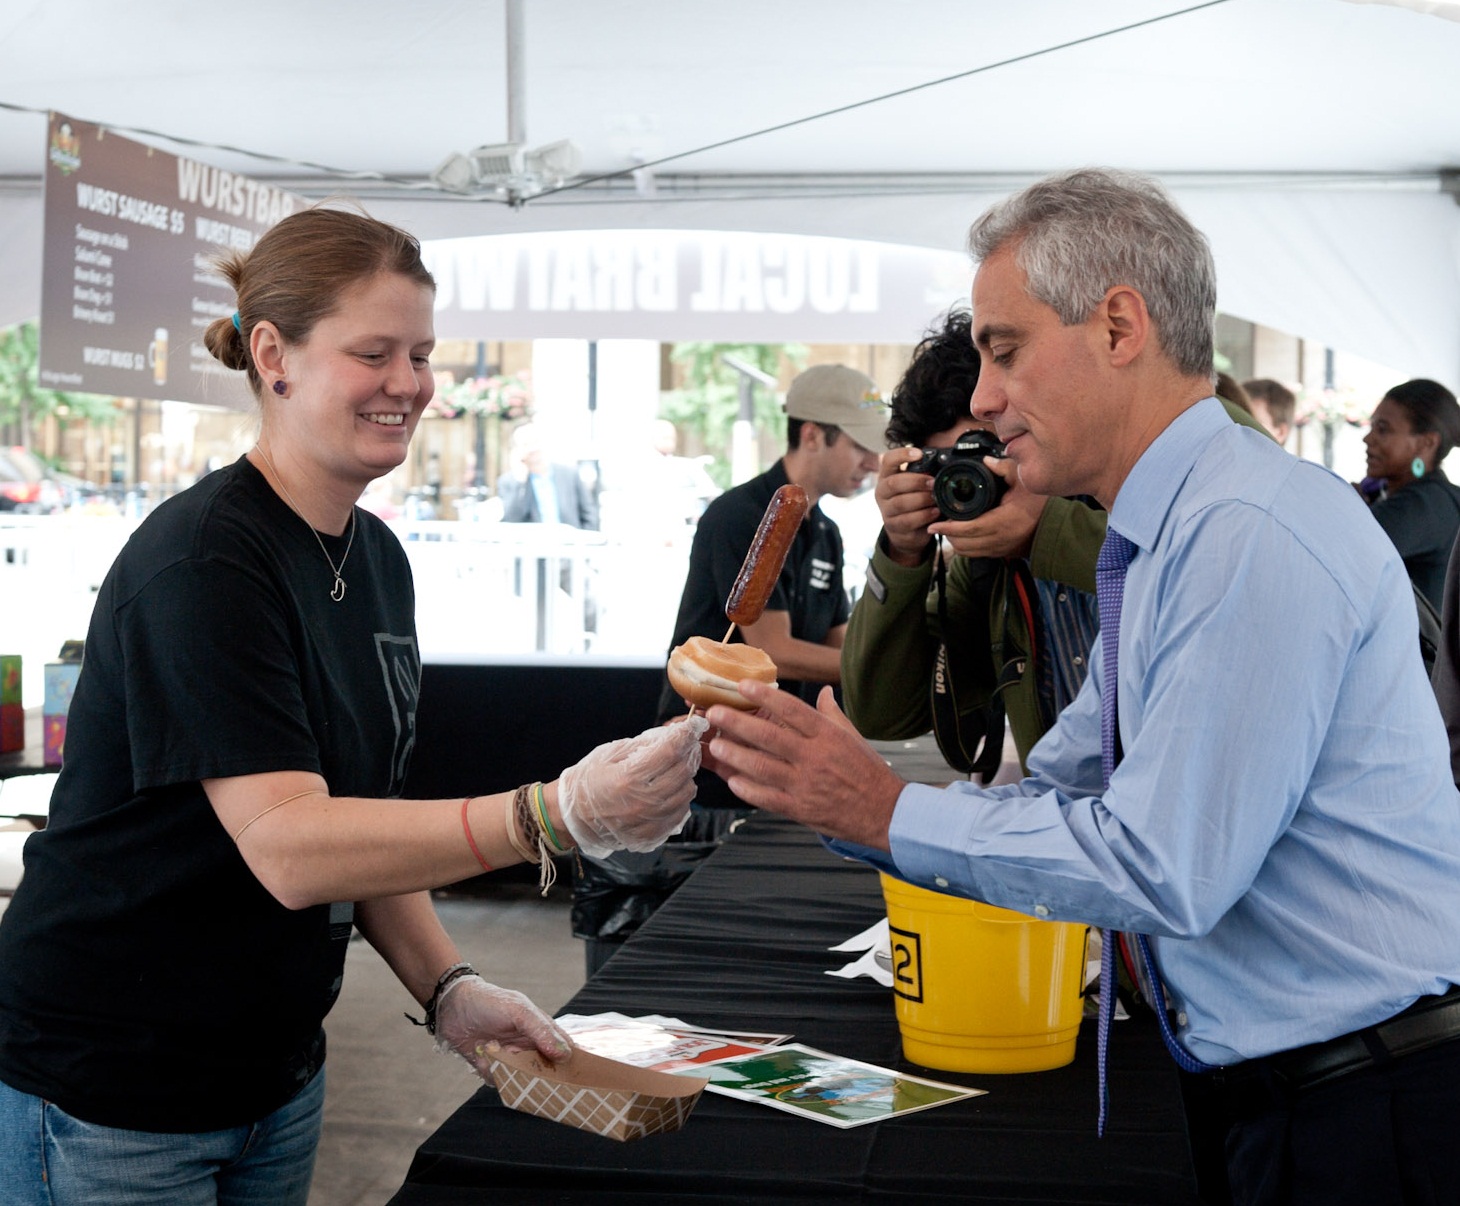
1309,138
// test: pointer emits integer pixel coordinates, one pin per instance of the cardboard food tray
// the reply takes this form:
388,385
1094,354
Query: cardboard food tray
605,1096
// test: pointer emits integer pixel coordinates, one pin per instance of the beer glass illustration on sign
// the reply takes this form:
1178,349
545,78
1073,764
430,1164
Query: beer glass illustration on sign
157,356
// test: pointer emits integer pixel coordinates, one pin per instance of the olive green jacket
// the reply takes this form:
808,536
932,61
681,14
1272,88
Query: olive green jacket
891,644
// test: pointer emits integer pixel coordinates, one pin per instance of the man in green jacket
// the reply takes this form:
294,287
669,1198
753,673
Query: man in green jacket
1005,627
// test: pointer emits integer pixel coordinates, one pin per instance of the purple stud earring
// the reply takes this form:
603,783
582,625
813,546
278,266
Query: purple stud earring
281,388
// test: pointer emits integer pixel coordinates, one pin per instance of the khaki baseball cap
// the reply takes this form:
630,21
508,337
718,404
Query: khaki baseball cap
836,394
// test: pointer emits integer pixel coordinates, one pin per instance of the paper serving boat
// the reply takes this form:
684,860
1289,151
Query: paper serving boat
605,1096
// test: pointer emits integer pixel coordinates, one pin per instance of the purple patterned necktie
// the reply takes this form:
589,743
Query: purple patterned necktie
1115,558
1110,566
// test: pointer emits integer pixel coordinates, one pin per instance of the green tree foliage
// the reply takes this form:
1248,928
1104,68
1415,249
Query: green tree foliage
709,403
23,402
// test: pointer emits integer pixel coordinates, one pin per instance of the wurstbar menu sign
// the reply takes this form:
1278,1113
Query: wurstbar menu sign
129,283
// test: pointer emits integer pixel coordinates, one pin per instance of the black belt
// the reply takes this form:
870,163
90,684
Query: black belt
1427,1023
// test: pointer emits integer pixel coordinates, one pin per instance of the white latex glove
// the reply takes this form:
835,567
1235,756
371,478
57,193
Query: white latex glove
634,793
472,1013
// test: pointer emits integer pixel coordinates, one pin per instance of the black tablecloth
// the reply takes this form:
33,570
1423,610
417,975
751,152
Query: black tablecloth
742,945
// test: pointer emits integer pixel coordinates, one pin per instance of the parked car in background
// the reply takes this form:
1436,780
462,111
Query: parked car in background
29,486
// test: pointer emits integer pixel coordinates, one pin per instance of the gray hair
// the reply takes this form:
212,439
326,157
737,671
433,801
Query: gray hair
1078,234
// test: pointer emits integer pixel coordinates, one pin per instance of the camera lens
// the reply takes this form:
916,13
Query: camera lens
966,489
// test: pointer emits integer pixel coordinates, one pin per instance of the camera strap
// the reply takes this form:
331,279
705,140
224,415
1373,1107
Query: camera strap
971,742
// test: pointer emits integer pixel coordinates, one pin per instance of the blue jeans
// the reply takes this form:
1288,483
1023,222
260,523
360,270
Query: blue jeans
48,1158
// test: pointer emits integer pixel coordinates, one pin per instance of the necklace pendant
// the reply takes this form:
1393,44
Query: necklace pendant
338,592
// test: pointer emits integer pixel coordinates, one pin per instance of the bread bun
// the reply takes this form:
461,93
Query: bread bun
705,672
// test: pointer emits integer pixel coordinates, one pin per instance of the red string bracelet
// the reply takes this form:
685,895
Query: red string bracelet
471,841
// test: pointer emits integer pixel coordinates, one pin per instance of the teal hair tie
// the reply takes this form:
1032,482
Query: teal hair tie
237,326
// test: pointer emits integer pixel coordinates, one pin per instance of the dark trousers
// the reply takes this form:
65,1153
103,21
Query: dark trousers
1207,1125
1382,1136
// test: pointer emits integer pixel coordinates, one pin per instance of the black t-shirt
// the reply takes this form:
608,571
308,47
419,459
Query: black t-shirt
147,979
809,588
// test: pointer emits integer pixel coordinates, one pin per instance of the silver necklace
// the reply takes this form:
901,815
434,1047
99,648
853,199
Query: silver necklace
337,592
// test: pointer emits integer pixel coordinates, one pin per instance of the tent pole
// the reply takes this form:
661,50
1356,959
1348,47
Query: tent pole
516,80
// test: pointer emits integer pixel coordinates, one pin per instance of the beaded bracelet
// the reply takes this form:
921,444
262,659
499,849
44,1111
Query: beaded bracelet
453,973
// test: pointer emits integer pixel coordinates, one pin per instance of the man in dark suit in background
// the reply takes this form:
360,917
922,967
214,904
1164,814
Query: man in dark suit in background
546,492
550,493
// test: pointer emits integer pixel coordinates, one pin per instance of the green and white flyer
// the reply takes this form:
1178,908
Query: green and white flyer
840,1092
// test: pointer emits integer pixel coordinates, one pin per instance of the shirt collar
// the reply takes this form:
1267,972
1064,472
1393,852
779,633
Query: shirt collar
1150,489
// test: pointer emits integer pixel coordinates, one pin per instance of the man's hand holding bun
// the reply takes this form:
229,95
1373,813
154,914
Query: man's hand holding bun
805,763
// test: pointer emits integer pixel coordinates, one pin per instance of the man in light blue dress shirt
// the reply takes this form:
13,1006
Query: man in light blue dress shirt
1283,823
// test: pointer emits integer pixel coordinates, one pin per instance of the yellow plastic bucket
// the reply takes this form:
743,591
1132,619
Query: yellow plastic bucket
983,989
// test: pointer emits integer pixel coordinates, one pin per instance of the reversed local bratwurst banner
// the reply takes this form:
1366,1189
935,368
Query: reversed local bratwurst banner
128,284
722,286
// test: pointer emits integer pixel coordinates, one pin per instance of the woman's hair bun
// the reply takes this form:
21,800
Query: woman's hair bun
226,344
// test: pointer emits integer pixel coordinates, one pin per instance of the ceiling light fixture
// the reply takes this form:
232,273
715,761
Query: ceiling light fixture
508,169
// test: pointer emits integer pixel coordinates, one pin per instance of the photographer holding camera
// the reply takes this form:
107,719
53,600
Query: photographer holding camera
953,644
1002,628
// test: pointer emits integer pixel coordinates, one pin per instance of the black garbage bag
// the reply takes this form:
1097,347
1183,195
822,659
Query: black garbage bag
614,896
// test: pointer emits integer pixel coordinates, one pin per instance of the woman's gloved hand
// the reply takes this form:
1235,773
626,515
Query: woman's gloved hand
470,1013
634,793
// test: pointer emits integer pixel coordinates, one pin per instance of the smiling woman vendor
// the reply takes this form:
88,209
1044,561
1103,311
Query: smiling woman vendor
245,713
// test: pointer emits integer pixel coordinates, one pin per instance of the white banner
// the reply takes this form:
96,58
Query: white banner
675,285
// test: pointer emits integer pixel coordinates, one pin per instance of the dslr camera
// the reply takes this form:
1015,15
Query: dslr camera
963,486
